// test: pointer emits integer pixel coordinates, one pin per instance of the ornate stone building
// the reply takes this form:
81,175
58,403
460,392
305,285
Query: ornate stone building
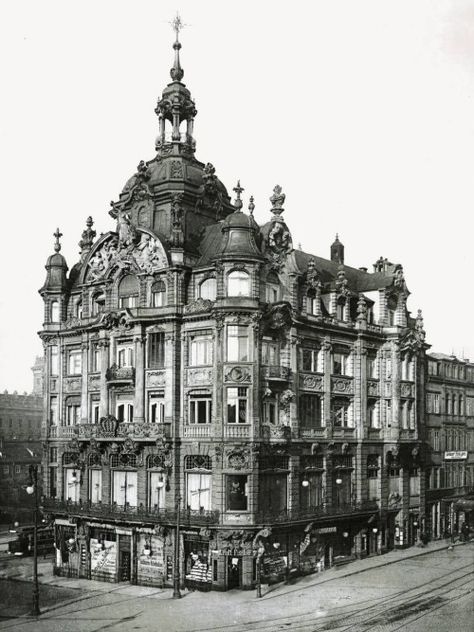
196,358
450,441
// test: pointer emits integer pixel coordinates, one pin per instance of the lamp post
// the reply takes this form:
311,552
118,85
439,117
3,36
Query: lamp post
32,488
176,591
338,490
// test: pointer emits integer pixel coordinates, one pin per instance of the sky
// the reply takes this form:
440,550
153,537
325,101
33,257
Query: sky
362,111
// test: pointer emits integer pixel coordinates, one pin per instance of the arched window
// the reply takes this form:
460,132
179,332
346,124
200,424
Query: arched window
156,481
238,283
391,309
55,311
207,289
98,302
158,294
78,308
198,482
128,291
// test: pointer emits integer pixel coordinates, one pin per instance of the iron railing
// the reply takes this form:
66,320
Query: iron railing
313,513
125,512
120,374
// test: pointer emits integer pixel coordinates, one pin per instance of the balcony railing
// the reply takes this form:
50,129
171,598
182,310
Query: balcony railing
276,372
120,374
312,513
125,512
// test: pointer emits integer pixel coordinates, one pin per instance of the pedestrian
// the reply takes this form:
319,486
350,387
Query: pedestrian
465,532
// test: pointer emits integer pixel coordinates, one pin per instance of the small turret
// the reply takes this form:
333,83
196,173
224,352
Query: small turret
56,269
240,230
337,251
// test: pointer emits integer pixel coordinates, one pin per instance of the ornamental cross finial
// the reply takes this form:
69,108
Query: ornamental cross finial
177,25
238,202
57,235
177,72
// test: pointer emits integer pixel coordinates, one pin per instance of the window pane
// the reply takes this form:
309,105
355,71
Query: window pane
157,490
96,486
236,492
199,491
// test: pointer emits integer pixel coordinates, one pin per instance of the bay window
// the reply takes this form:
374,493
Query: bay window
238,283
200,350
270,353
237,343
208,289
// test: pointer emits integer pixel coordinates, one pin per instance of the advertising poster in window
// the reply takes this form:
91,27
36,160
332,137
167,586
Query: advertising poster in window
151,560
103,556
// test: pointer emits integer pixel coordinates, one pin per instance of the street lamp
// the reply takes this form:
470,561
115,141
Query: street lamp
32,488
176,591
338,483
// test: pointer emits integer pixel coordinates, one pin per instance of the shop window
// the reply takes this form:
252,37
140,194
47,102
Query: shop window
341,413
237,492
156,350
200,350
312,360
270,353
156,408
238,283
273,484
75,362
128,291
310,411
237,405
237,343
125,488
54,311
200,408
54,360
71,484
158,294
208,289
95,491
125,355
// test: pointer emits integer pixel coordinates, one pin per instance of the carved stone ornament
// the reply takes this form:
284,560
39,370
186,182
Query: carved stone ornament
73,446
286,398
155,378
238,459
341,282
108,426
279,317
361,309
72,323
339,385
72,384
406,390
238,374
140,253
277,200
199,305
210,194
129,446
278,243
176,170
372,388
312,277
115,320
311,382
199,376
94,382
399,279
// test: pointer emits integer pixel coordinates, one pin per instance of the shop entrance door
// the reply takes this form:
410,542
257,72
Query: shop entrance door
124,559
234,572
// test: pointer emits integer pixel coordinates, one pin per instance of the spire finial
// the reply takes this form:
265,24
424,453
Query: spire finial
238,202
57,235
88,236
177,73
251,205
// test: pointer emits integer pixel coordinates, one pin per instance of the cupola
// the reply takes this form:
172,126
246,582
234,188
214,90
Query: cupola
56,269
337,251
240,231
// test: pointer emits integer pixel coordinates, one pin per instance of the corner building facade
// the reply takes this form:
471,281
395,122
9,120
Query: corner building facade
196,361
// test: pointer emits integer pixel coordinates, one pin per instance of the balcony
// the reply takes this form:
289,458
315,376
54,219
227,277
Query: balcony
276,372
236,431
288,515
197,431
120,374
132,514
139,430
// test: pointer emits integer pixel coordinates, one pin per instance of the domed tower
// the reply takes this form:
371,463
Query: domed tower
54,290
174,195
240,232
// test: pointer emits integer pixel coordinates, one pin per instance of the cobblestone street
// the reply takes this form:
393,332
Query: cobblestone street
422,589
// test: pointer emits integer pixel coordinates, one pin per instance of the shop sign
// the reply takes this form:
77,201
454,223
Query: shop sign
152,565
325,530
103,556
457,454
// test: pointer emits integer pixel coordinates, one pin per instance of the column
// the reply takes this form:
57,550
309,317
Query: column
395,354
138,405
326,347
104,365
84,386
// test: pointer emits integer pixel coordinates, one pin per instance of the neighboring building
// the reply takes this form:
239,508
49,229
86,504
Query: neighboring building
193,354
15,460
20,417
38,376
450,437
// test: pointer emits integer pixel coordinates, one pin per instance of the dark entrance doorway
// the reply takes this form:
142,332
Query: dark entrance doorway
234,572
124,559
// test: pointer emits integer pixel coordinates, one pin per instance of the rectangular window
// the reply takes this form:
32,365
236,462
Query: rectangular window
372,367
200,408
311,490
73,413
198,488
17,469
237,407
200,350
71,485
270,411
273,491
128,301
53,455
237,343
156,408
341,413
340,363
95,359
156,350
156,490
53,482
394,480
95,493
312,360
414,478
311,411
388,368
125,488
388,412
6,469
270,353
124,410
95,412
373,414
432,368
54,360
53,411
373,483
75,362
237,494
125,355
436,442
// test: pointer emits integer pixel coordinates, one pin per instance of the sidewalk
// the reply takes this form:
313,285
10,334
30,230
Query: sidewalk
23,572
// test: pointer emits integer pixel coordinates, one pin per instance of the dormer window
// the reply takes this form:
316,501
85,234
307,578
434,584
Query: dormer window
158,294
238,283
391,309
208,290
340,308
128,291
